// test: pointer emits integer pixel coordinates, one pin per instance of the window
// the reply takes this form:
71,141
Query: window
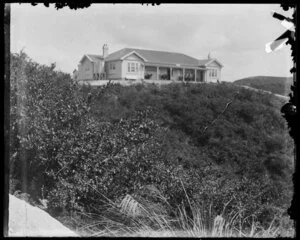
213,73
112,66
132,67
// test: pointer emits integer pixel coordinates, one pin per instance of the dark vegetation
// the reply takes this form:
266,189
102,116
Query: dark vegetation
79,146
277,85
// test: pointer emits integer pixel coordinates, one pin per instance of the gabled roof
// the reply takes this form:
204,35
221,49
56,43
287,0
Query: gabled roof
213,60
134,52
92,57
204,62
95,57
159,57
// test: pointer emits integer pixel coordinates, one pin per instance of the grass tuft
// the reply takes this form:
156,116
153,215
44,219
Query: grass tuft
138,216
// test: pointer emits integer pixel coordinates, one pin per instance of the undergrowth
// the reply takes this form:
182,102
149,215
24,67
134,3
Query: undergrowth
137,216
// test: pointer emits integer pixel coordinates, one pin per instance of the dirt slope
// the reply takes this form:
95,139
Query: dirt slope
26,220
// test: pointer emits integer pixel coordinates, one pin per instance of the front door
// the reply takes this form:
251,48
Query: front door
199,76
202,76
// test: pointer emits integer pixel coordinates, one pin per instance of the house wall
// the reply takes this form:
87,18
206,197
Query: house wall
177,73
85,70
98,69
199,76
135,59
151,70
121,70
210,78
98,66
216,66
114,73
164,71
206,74
189,74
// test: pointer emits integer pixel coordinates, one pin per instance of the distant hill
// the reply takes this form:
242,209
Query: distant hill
278,85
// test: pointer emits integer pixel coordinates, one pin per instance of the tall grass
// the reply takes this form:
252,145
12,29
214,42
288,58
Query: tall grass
137,216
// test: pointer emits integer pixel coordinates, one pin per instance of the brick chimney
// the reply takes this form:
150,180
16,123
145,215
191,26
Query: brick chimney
105,50
209,55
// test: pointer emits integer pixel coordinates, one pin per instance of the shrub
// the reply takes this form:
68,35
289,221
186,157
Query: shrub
148,75
87,144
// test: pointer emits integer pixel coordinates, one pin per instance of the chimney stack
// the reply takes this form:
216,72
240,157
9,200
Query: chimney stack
105,50
209,55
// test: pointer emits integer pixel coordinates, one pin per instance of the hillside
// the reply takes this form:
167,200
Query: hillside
248,140
277,85
96,153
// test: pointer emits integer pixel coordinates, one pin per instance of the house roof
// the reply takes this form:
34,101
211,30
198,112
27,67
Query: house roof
159,57
92,57
206,62
133,52
95,57
203,62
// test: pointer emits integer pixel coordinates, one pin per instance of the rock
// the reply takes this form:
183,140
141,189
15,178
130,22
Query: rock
26,220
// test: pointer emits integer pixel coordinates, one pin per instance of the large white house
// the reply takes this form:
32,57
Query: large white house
148,65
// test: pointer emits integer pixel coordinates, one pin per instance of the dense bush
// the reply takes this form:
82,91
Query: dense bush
43,109
78,145
232,159
278,85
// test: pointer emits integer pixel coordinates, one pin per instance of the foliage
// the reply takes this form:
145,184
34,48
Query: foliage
84,145
164,76
137,216
35,118
189,77
148,75
233,157
72,5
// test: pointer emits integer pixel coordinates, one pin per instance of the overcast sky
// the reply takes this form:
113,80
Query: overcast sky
235,34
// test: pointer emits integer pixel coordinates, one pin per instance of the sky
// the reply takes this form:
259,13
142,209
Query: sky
235,34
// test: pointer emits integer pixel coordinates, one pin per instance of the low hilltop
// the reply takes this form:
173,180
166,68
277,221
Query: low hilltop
277,85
